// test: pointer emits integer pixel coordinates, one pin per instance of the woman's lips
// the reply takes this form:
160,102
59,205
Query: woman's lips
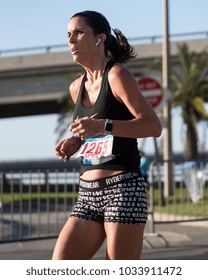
74,50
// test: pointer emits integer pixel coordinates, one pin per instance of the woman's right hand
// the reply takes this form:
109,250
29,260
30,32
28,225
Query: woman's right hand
67,147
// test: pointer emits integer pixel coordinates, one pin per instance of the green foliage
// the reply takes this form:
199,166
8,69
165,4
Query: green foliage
181,204
189,90
52,196
189,86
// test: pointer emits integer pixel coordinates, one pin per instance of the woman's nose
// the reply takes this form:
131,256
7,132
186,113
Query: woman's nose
71,38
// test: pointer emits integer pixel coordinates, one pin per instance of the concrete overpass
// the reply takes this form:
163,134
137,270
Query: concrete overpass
34,84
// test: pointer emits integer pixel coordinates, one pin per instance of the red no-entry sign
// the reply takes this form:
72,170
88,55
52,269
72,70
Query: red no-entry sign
152,91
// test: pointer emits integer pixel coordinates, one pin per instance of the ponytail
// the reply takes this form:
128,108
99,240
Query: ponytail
119,48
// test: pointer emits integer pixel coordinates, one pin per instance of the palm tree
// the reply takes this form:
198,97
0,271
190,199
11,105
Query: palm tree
189,86
189,91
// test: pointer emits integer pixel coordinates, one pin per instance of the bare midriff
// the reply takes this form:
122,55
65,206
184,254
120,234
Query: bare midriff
97,174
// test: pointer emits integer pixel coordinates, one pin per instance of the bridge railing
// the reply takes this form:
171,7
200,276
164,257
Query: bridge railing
134,40
35,201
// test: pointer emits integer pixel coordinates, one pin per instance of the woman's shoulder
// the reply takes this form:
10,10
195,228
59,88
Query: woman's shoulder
121,80
116,66
119,71
75,86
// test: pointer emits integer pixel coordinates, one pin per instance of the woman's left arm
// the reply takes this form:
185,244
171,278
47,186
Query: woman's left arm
126,90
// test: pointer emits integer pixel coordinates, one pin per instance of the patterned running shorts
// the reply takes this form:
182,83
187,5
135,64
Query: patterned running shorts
117,199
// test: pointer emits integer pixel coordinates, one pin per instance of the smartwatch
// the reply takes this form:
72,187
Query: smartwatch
108,126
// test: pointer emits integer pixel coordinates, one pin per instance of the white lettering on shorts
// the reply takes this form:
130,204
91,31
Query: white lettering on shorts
119,178
89,185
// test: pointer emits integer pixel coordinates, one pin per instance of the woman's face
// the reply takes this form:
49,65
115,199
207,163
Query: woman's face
82,41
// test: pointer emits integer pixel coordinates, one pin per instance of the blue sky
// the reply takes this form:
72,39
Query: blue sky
27,23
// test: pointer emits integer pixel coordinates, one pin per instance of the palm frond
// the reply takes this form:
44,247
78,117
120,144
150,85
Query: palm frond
199,108
189,86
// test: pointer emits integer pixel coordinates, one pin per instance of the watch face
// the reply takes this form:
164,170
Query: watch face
108,126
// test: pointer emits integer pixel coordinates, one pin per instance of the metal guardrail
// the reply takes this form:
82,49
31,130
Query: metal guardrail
35,200
188,198
35,203
64,47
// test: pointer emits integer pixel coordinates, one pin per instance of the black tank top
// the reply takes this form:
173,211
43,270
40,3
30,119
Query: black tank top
108,107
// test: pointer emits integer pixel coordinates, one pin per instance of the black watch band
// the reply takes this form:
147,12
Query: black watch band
108,126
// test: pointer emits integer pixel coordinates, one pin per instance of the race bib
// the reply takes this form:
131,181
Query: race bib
96,150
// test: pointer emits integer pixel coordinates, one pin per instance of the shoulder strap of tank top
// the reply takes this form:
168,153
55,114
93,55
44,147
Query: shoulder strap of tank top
81,87
79,98
108,66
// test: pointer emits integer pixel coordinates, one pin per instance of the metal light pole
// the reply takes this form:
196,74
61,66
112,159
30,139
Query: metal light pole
167,153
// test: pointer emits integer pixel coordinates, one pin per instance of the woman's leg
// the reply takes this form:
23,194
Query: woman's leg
124,241
79,240
125,218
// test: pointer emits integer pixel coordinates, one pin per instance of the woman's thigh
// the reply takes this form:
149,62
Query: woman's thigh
124,241
79,239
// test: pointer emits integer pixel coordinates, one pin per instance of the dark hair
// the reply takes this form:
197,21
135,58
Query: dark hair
116,47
